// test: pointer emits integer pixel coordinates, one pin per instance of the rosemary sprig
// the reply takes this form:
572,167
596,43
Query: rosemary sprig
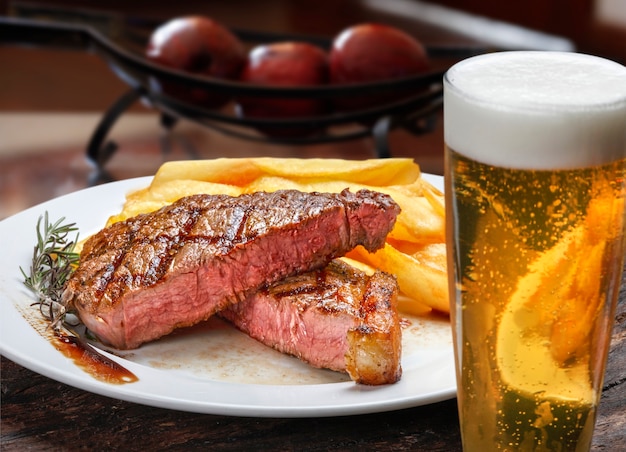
53,261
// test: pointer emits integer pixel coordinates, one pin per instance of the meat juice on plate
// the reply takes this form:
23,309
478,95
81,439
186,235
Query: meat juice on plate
539,245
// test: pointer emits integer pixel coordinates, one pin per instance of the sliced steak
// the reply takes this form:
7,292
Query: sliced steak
141,278
335,318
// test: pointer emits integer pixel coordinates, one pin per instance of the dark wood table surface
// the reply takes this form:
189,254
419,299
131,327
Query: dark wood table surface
50,102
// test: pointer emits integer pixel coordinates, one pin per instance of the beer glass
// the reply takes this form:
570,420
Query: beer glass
535,148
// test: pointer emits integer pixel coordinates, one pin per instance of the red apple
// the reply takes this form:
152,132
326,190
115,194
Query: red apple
374,52
284,64
201,46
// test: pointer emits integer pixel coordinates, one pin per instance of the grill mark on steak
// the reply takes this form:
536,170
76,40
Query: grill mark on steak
336,318
141,278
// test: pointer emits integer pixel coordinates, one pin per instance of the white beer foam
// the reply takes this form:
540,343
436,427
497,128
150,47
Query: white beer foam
536,110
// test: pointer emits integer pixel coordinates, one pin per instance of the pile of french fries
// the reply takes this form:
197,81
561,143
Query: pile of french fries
414,251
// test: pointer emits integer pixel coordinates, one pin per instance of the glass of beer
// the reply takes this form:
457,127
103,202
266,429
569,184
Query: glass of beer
535,148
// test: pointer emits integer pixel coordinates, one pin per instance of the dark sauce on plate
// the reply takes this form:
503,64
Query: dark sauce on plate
91,361
85,356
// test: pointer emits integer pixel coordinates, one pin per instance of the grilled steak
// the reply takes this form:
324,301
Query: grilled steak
336,318
141,278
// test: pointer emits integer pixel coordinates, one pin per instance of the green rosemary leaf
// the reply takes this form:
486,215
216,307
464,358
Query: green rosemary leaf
54,260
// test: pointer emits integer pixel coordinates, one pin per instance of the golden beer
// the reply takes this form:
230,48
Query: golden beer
536,207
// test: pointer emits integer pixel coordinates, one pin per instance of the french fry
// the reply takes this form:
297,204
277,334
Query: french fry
241,171
375,172
272,183
238,172
360,265
411,306
434,197
406,304
425,283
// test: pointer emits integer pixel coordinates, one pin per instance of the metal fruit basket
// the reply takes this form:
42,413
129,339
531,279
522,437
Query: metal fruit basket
415,113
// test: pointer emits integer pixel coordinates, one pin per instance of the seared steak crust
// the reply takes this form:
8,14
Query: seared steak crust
141,278
335,317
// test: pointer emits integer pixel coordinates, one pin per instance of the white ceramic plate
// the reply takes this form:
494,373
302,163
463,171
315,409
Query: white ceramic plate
211,368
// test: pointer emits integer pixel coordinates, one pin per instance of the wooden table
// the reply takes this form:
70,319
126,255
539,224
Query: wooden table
43,133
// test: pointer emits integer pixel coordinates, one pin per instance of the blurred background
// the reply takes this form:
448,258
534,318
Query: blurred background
51,100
